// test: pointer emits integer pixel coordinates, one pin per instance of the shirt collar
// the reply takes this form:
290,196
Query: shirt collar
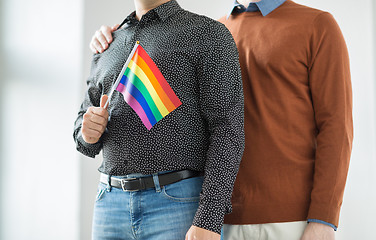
264,6
167,9
163,11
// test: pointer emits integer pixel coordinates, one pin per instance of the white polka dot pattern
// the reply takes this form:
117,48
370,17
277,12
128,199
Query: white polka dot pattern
199,59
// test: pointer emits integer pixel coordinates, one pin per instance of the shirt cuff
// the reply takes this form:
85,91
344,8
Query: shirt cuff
87,149
323,222
210,216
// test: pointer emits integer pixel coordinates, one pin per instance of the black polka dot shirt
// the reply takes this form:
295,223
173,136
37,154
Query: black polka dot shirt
199,59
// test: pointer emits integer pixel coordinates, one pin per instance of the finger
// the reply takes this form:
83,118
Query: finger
90,133
90,140
88,123
100,112
107,33
104,100
96,111
101,39
92,48
115,27
98,119
96,44
96,128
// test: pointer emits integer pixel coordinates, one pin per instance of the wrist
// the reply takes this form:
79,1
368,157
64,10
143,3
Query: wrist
322,222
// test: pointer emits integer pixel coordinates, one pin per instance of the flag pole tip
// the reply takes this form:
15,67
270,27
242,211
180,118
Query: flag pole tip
138,42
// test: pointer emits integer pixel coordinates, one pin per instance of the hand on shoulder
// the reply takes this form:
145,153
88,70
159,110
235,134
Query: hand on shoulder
101,38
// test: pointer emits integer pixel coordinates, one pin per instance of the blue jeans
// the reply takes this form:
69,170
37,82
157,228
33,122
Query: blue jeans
158,213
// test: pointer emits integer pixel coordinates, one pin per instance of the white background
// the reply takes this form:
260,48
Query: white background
47,189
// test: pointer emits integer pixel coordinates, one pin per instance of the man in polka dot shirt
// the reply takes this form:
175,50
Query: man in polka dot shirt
173,180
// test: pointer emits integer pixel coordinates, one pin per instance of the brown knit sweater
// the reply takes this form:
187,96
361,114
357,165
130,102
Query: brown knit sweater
298,116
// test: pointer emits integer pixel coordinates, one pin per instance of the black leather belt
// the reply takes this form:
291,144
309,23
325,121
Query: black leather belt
141,183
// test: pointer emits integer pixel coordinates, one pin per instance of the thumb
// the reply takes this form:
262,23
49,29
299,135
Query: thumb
104,100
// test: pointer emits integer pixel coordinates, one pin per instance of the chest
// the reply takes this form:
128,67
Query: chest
270,42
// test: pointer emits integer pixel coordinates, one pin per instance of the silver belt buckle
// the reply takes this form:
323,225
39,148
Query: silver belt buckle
123,181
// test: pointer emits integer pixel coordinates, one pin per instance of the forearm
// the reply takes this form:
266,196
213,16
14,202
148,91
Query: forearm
92,99
222,165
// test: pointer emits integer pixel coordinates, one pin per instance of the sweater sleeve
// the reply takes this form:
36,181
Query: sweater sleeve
330,84
92,98
222,107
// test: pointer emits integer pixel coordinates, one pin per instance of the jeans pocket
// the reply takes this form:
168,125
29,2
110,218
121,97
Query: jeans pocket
100,191
187,190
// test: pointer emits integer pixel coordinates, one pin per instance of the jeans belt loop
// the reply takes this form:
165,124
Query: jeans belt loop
156,182
109,187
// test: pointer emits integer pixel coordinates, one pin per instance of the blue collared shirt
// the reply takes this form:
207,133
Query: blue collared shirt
266,7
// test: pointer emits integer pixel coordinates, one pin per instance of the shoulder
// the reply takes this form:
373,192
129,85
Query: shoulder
300,9
305,14
203,21
325,20
208,28
308,18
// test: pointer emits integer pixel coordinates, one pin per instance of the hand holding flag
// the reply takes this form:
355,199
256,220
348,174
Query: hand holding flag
95,122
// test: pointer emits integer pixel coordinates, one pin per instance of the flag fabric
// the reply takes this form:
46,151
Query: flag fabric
145,89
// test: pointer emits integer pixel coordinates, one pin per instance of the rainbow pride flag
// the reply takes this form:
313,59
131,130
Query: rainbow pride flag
145,89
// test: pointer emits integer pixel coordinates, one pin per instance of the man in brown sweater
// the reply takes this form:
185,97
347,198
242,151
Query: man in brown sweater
298,120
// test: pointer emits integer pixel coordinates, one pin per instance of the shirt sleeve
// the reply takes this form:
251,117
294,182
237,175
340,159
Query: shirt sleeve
222,107
323,222
330,84
92,98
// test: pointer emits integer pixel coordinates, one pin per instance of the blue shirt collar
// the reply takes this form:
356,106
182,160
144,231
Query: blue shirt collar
264,6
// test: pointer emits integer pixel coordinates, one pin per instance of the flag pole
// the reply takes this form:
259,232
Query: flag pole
122,73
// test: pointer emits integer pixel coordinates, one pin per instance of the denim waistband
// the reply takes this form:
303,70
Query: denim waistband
139,175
